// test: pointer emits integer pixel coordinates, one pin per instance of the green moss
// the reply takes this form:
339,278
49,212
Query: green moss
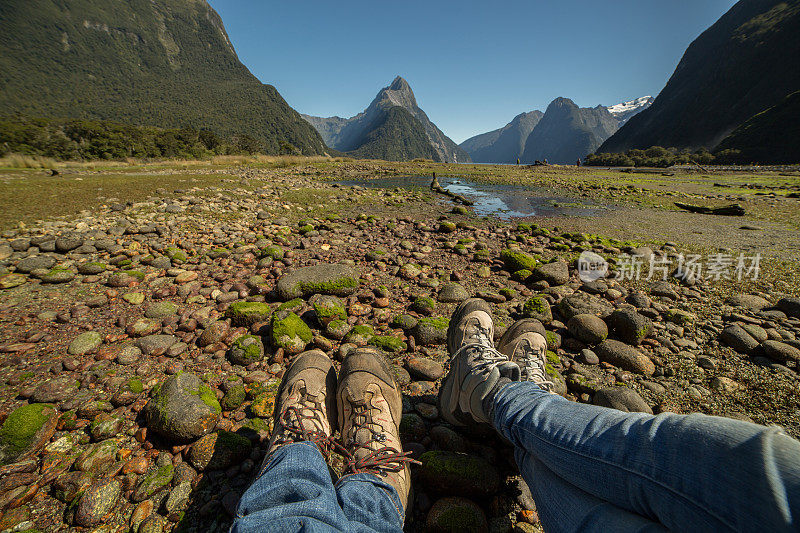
134,274
329,309
273,251
291,305
508,292
233,398
521,275
329,287
515,260
208,397
135,385
388,343
247,349
176,255
248,313
435,322
289,327
552,358
19,430
306,229
536,307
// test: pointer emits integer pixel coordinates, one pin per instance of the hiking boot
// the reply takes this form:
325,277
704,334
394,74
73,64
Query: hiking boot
524,343
477,369
305,409
370,408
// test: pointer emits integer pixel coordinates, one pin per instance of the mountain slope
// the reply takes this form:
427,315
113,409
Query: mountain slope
747,61
349,135
567,132
624,111
769,137
503,145
166,63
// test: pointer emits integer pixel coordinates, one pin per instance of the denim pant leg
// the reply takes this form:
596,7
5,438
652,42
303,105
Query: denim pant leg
688,472
564,508
371,504
294,492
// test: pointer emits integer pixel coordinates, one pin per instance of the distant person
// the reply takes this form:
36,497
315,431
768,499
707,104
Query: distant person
518,160
589,468
578,162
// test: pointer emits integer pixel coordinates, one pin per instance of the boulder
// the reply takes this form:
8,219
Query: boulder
456,515
589,329
333,279
626,357
555,273
622,398
629,326
183,409
26,430
458,474
737,338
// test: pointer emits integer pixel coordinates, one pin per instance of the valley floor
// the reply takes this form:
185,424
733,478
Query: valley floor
116,280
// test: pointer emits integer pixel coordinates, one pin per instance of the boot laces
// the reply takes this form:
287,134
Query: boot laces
476,333
296,421
534,366
379,461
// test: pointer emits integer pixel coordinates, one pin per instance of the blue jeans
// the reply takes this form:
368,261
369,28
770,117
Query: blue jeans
589,469
294,492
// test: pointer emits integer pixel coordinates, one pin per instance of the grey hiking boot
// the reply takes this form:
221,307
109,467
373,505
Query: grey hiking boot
305,408
370,408
524,343
477,369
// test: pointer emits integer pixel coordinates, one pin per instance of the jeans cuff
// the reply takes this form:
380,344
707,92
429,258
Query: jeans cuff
376,481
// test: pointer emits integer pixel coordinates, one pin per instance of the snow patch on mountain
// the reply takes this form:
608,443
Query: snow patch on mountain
625,110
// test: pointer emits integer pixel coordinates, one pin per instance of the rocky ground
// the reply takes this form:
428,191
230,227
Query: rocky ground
142,343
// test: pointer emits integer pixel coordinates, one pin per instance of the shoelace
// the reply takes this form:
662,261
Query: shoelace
381,461
480,334
534,368
294,430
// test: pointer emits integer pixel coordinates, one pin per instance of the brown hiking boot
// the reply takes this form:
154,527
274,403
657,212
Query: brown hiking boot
305,409
370,408
524,343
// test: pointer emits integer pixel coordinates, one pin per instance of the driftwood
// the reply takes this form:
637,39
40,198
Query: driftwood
435,187
734,210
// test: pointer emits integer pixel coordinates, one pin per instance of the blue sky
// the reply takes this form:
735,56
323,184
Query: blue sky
473,66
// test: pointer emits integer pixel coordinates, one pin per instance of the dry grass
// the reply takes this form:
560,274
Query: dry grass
26,161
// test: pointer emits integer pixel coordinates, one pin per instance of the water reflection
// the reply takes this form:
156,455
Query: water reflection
502,201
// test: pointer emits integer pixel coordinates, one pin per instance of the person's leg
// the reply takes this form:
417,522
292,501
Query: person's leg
294,492
370,503
564,508
375,491
689,472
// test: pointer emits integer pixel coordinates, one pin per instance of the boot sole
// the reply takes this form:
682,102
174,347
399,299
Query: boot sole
464,308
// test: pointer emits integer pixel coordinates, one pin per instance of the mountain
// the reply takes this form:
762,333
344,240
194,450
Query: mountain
165,63
567,132
746,62
624,111
381,133
502,145
770,137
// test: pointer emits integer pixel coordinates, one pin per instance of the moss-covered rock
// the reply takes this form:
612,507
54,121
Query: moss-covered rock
153,482
220,450
329,308
176,255
515,260
539,308
233,398
91,268
288,331
97,501
183,408
58,275
388,343
273,251
337,329
360,335
404,321
248,313
430,331
424,305
458,474
246,350
456,515
26,430
333,279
